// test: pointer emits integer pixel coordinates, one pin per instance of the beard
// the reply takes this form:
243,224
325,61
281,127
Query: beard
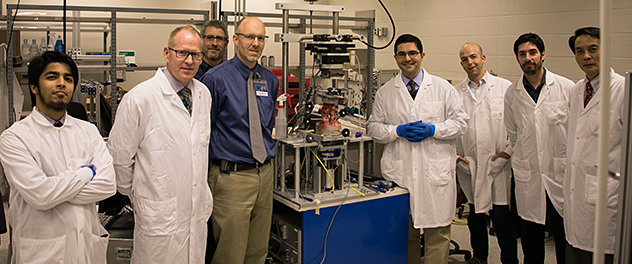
55,106
219,56
536,68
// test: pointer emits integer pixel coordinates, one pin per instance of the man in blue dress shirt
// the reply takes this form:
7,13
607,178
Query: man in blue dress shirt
215,37
241,178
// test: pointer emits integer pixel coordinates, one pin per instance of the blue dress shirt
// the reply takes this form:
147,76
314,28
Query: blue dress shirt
230,131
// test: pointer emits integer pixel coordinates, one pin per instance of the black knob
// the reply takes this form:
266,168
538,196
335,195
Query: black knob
346,132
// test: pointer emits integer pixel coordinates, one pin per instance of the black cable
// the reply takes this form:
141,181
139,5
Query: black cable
64,29
17,7
392,23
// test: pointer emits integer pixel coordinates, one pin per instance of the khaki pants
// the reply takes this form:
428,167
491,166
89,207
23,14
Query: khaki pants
436,244
242,214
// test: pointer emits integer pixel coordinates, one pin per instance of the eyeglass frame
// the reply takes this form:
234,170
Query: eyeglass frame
218,38
402,54
192,54
252,37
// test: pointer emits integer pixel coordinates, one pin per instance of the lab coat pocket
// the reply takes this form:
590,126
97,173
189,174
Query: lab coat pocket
556,112
591,191
559,168
522,169
440,171
497,107
593,126
41,251
497,165
392,170
99,246
432,112
156,218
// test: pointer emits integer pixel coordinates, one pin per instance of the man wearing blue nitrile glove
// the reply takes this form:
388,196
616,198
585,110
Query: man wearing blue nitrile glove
428,111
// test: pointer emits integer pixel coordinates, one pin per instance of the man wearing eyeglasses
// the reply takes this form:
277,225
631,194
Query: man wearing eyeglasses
215,42
240,173
419,116
159,143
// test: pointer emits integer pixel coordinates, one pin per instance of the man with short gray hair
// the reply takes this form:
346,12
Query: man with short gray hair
215,42
159,143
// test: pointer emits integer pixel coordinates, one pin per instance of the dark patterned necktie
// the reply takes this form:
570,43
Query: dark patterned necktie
185,95
57,124
589,93
413,89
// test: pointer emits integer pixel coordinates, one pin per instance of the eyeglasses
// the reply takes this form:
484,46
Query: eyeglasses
218,38
183,54
251,37
411,54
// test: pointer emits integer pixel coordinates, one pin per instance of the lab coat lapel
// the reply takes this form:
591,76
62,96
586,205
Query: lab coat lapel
523,93
593,102
466,90
168,92
546,88
403,90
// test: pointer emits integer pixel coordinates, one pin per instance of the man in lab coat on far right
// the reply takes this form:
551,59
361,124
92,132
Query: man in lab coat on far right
580,181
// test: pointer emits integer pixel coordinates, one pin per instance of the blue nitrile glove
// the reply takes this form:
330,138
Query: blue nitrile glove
428,130
410,132
93,168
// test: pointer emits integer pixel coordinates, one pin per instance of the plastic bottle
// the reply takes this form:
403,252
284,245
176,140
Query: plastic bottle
34,49
43,45
271,61
280,122
51,38
59,46
25,50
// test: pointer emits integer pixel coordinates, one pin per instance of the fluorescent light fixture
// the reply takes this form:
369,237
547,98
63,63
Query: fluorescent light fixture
31,13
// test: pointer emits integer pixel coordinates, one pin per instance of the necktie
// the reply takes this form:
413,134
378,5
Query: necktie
256,138
589,93
185,96
57,124
413,89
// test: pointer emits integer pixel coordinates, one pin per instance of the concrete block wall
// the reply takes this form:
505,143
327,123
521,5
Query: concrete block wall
444,25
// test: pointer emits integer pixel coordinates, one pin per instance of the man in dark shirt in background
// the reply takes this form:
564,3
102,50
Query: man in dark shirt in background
215,38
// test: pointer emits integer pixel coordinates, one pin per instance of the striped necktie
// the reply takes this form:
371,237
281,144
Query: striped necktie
185,96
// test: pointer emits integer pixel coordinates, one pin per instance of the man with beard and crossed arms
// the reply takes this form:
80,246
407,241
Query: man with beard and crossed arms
58,167
535,115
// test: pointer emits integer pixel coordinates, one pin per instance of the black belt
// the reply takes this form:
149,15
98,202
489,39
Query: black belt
237,166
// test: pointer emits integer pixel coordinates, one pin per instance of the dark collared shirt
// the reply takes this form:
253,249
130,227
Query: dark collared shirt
230,130
534,92
204,67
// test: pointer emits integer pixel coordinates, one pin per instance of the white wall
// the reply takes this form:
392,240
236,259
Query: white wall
444,25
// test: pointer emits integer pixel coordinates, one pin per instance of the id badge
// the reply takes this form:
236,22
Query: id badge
261,86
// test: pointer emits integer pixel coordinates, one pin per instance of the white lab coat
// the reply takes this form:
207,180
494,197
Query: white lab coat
427,168
537,140
160,157
580,182
485,182
53,212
